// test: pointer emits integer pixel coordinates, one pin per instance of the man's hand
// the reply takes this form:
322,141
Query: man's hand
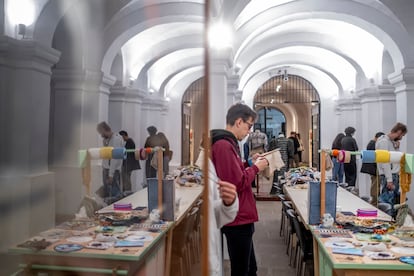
390,186
255,157
109,180
262,163
228,192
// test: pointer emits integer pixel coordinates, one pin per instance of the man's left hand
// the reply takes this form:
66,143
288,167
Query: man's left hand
228,192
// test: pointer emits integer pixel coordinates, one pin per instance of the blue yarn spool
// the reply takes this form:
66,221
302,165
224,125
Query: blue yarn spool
368,156
118,153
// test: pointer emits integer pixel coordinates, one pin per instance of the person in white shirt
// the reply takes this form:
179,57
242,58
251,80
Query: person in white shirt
223,208
389,173
111,168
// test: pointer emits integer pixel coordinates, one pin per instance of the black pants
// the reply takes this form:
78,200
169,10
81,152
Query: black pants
350,173
241,250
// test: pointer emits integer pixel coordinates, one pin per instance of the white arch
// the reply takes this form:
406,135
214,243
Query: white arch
311,58
172,63
146,47
323,83
364,52
136,18
178,84
394,37
49,18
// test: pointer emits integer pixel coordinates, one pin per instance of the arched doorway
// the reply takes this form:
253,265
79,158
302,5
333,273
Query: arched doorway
298,101
192,121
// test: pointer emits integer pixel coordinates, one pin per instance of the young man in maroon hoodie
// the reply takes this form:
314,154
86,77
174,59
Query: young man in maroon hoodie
227,160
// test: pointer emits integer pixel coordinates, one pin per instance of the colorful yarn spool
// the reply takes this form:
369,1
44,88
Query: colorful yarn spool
335,153
368,156
409,163
382,156
82,154
395,156
143,154
137,154
106,153
118,153
95,153
347,157
148,150
341,156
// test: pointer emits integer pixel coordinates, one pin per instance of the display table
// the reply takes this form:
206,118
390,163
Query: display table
325,262
151,259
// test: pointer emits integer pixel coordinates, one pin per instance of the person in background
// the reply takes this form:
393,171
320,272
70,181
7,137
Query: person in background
226,157
338,168
389,173
349,144
371,169
130,163
258,142
111,172
294,162
223,208
301,148
157,140
280,143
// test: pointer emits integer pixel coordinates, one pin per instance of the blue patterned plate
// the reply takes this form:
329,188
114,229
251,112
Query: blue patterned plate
69,247
407,260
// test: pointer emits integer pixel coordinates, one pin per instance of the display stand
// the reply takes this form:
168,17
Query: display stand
160,171
323,181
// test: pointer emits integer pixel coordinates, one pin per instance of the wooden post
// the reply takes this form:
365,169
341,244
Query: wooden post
160,172
323,188
86,174
206,145
191,147
402,197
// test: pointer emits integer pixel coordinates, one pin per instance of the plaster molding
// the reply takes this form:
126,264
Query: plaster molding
402,81
27,54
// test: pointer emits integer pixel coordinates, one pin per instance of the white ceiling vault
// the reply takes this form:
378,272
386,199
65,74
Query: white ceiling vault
342,45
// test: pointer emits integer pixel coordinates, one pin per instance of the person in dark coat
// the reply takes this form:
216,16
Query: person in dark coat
338,168
129,164
349,143
371,169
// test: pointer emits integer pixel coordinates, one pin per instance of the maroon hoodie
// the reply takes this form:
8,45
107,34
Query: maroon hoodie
229,167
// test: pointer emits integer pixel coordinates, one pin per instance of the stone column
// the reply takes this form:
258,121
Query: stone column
404,91
80,102
125,104
233,93
27,198
377,111
220,64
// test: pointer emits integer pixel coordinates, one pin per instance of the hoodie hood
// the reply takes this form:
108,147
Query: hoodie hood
218,134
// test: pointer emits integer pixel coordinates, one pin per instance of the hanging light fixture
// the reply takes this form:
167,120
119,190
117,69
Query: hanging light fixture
285,76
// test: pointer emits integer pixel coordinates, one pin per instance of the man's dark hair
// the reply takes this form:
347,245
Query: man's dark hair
399,126
123,133
152,130
237,111
349,130
379,134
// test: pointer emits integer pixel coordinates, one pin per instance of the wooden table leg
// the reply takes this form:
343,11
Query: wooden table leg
315,257
168,254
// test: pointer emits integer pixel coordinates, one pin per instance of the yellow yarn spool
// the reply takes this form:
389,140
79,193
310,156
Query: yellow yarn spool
106,152
382,156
